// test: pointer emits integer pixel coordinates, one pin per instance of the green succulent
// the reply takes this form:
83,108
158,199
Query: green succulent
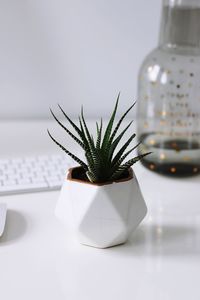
104,162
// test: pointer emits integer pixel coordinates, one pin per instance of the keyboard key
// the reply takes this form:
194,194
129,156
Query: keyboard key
56,183
23,181
9,182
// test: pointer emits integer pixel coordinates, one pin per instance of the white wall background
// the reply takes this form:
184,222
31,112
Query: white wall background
73,52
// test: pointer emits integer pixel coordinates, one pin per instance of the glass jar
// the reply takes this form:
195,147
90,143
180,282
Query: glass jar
169,93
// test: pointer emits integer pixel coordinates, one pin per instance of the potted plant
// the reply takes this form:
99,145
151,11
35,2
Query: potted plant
101,199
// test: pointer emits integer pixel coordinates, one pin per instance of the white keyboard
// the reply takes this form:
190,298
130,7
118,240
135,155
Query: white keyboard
33,174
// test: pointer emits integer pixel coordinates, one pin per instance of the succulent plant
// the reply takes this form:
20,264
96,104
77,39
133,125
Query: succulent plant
104,162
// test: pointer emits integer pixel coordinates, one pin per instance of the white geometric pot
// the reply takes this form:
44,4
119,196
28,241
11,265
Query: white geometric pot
103,215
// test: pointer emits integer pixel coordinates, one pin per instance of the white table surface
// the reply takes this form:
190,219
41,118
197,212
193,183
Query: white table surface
39,260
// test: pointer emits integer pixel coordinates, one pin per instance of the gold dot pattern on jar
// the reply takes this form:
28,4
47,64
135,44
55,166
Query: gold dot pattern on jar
173,170
164,113
175,146
162,156
186,158
152,142
152,166
195,170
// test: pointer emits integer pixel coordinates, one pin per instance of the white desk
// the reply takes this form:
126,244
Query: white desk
39,260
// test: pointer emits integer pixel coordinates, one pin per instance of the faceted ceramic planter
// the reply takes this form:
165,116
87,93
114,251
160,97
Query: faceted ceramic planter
102,215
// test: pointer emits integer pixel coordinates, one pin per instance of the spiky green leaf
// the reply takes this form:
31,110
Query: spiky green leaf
97,127
68,131
109,126
123,148
88,136
72,123
120,121
117,140
127,165
91,177
101,166
84,138
119,162
74,157
98,143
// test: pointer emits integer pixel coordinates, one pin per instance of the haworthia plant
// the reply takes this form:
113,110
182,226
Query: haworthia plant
103,162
